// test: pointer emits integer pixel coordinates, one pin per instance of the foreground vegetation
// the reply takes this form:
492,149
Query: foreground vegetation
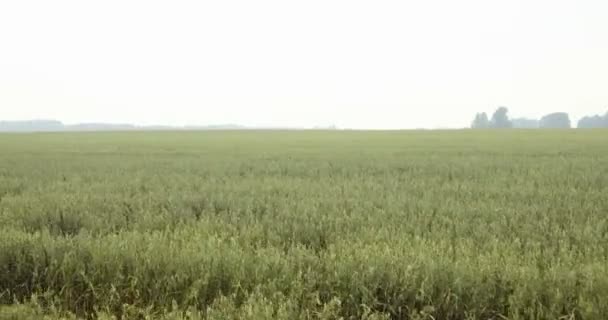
304,225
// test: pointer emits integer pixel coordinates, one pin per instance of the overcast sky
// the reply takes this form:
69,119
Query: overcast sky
356,64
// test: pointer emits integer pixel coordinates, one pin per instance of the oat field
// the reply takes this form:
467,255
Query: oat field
461,224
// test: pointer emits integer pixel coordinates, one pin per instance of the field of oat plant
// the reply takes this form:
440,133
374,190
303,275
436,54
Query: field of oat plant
304,225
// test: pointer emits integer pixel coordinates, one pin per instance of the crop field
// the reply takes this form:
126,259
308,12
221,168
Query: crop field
467,224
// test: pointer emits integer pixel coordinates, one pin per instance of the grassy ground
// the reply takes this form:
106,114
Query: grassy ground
305,225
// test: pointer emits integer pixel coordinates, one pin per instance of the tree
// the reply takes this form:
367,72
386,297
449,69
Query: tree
592,122
595,121
481,121
500,119
557,120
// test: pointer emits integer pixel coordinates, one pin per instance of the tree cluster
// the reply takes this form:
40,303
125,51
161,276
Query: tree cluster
500,120
595,121
556,120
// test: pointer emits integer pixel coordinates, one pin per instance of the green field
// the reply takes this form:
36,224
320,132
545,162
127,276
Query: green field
305,225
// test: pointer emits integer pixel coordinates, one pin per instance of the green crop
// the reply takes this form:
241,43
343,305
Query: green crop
304,225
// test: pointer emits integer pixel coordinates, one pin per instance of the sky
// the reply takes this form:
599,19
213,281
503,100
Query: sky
354,64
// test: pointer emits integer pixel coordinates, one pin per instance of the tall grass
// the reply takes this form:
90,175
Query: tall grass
305,225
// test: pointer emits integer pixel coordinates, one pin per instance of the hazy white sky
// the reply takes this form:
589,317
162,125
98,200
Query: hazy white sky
358,64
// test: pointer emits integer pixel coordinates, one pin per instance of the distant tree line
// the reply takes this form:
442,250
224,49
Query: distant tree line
595,121
557,120
57,126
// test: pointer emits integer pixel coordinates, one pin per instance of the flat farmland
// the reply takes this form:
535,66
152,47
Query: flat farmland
460,224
